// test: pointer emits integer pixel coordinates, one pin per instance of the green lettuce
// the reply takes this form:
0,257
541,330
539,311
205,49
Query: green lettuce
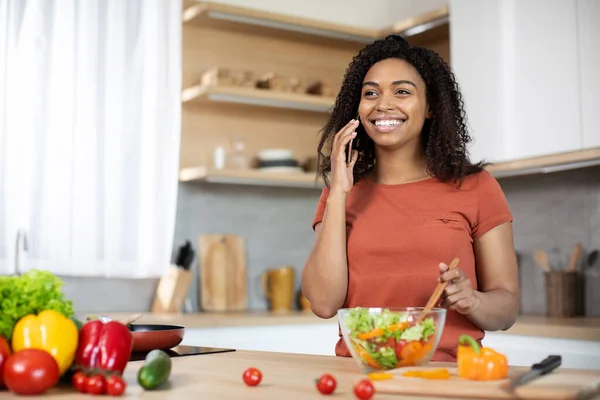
30,293
419,332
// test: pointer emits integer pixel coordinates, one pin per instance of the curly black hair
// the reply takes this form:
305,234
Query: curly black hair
444,135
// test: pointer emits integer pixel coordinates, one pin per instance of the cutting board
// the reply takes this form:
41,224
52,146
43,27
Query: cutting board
222,273
561,384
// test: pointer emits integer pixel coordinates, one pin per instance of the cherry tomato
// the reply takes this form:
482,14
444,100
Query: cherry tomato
364,389
252,376
115,385
79,381
326,384
96,385
30,372
4,354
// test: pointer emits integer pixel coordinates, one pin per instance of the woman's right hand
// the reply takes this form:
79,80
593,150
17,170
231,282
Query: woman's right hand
341,171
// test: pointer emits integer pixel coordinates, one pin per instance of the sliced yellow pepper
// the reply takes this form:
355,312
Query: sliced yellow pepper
49,331
379,376
440,373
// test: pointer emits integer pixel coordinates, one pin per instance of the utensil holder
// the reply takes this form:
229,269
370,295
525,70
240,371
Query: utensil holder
172,290
564,294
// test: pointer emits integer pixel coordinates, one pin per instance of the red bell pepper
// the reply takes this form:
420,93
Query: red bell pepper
103,347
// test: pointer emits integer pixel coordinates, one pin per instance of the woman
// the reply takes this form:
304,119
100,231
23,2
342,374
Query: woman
408,201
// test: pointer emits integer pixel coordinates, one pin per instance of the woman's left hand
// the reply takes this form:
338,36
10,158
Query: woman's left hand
459,294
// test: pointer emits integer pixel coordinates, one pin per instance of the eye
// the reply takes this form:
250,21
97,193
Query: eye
403,91
370,93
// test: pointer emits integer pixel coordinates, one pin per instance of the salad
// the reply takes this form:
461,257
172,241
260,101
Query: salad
387,340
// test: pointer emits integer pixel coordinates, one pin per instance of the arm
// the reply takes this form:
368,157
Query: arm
325,275
495,305
498,296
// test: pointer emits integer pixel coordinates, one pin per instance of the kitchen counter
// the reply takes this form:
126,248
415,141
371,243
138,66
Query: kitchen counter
579,328
289,376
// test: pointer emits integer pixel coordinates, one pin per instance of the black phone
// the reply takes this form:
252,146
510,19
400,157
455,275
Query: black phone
352,144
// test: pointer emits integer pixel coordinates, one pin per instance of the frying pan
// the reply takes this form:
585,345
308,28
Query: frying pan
147,337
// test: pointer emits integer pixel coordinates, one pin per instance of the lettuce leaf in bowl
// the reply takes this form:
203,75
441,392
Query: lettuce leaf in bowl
421,331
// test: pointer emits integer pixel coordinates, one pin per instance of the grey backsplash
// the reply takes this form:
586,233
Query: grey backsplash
552,212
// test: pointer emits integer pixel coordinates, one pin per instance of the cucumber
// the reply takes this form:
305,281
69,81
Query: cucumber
155,371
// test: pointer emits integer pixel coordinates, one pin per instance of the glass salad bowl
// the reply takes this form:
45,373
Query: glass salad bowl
388,338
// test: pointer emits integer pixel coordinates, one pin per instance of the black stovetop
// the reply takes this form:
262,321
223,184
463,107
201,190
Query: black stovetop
182,351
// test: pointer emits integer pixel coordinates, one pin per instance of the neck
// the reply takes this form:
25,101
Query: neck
403,165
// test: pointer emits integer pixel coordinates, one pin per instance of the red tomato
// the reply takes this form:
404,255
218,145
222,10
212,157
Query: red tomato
4,354
96,385
252,376
115,385
364,389
399,346
30,372
326,384
79,381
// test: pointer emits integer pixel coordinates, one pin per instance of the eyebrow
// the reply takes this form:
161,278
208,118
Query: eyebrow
395,83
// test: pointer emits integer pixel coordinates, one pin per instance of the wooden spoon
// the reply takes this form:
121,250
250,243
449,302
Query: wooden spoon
437,293
574,258
541,258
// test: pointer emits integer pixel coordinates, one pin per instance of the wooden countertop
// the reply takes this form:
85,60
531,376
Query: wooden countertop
289,376
580,328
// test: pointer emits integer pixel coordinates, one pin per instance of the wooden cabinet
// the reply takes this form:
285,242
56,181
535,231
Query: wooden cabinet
588,16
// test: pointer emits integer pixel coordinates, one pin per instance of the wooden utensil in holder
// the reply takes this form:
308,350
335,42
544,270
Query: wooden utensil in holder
172,290
564,294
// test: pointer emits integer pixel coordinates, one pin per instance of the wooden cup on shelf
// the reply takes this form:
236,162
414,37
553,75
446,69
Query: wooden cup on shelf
172,290
564,294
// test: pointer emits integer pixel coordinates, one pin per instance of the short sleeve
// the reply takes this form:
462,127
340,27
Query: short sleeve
492,207
320,211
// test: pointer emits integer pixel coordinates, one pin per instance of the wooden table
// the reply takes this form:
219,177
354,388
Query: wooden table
219,376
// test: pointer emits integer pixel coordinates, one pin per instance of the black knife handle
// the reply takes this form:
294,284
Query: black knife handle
550,363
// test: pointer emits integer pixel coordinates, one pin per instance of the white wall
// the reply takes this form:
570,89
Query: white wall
374,14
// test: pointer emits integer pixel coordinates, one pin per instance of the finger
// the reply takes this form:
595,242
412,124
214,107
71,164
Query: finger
454,274
454,298
349,127
354,158
451,289
462,306
341,151
443,268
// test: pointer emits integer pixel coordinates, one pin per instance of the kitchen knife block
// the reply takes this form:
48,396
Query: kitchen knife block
172,290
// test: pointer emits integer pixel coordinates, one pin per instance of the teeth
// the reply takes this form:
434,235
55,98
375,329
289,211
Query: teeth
388,122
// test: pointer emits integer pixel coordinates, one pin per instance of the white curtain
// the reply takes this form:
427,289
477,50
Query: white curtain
89,134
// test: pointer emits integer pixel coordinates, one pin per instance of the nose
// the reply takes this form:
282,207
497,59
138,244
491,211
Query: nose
384,104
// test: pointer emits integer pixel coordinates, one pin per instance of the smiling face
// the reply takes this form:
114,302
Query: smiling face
393,104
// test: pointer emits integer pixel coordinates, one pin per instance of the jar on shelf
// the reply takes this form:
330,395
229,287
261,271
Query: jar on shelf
238,157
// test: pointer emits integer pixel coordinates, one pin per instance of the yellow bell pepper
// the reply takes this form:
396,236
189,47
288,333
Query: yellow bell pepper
49,331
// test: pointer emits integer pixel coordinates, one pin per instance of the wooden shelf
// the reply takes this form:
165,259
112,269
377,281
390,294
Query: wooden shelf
547,164
253,21
249,177
422,23
430,30
258,97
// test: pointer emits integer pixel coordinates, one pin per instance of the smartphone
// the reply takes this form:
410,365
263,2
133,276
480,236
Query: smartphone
351,145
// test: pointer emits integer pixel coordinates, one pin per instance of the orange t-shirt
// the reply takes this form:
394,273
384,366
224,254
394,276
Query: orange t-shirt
398,234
